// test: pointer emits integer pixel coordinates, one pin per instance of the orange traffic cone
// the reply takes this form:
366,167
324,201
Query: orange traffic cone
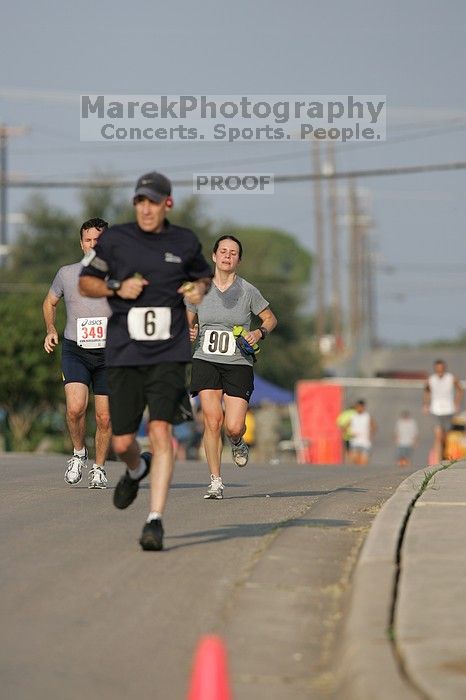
209,680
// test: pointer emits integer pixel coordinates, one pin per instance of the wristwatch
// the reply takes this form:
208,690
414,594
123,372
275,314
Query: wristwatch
263,331
113,285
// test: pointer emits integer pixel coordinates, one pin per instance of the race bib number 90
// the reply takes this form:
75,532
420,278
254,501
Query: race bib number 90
91,332
218,342
149,323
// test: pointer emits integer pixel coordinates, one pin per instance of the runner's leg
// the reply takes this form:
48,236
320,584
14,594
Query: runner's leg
235,416
77,397
160,436
127,449
438,443
103,435
212,410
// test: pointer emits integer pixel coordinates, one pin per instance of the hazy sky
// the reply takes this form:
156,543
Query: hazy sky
412,51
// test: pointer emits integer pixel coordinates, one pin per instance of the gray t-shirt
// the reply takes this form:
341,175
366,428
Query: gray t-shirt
65,284
218,313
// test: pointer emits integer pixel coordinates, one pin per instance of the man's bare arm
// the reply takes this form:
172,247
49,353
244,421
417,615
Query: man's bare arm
459,391
94,287
426,399
130,288
49,309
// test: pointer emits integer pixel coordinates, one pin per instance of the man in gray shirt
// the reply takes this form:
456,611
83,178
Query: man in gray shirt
82,360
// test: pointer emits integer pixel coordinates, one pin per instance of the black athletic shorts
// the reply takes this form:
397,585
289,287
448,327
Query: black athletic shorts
161,387
234,380
84,366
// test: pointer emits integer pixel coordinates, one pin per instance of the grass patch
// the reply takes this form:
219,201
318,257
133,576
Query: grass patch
430,474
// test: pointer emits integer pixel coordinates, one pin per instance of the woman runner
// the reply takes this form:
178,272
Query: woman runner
222,372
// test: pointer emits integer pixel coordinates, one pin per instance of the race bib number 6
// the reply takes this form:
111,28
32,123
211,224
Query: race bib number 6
218,342
149,323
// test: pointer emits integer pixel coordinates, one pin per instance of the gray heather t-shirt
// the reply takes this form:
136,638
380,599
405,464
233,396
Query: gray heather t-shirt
218,313
65,284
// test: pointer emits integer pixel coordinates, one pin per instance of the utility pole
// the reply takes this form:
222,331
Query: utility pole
335,266
361,279
366,225
319,240
5,133
354,256
372,301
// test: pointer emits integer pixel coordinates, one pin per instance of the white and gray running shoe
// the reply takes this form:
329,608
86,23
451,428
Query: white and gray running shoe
74,470
215,488
240,453
97,478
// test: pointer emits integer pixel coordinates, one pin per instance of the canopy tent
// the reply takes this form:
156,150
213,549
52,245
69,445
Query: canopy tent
266,391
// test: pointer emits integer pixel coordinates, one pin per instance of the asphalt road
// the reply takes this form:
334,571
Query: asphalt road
86,614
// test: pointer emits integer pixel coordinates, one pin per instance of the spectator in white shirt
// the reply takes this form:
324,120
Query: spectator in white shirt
362,428
406,434
442,399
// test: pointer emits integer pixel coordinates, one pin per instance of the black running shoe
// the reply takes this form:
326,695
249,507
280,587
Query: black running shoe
152,536
127,488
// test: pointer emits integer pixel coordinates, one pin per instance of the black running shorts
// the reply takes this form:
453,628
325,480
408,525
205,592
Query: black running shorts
162,388
234,380
84,366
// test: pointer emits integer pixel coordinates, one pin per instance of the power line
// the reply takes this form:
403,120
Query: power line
304,177
136,148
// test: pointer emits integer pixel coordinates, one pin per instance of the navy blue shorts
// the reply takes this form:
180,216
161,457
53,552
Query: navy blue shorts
84,366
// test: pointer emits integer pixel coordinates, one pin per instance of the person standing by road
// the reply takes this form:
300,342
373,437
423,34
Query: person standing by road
362,428
269,428
82,360
406,434
222,373
442,398
146,269
343,421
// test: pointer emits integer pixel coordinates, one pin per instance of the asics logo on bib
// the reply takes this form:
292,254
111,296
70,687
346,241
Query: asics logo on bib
91,332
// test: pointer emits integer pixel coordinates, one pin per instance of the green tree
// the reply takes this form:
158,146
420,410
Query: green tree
50,239
106,203
30,383
190,213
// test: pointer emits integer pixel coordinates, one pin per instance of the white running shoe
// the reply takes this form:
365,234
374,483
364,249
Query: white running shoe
97,478
240,453
74,470
215,488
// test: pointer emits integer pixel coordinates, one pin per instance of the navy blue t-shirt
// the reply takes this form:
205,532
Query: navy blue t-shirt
153,327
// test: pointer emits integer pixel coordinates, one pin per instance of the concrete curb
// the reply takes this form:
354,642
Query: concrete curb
368,669
430,609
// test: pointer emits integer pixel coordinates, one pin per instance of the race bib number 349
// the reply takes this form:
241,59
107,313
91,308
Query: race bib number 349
149,323
217,342
91,332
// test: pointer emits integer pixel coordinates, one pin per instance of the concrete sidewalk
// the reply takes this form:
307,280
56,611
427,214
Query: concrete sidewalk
406,630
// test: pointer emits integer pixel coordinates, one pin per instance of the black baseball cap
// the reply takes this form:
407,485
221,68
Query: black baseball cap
154,186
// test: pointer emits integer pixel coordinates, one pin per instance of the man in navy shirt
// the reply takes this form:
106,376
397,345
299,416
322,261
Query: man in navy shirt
147,269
